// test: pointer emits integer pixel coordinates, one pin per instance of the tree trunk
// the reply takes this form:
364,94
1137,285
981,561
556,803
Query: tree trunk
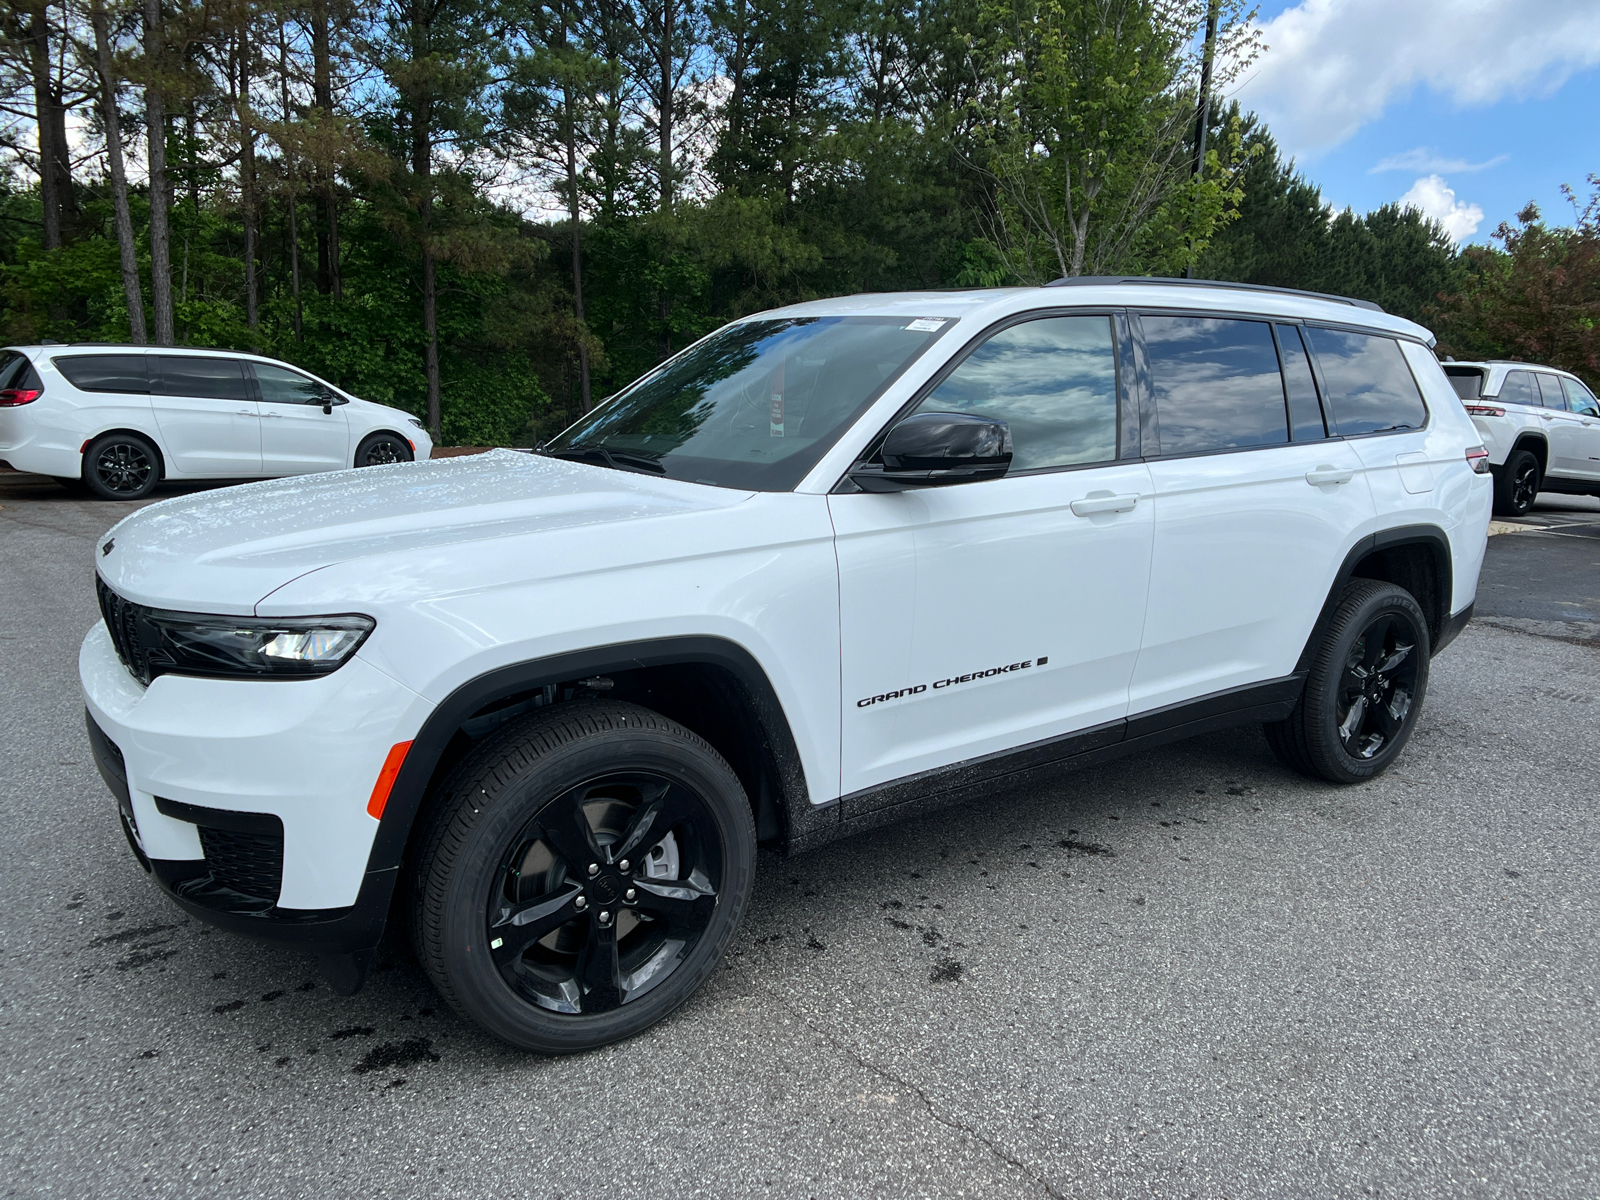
328,282
289,178
247,190
422,170
664,102
160,195
44,122
570,121
119,178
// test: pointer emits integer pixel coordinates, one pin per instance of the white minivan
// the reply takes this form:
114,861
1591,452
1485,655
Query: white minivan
121,419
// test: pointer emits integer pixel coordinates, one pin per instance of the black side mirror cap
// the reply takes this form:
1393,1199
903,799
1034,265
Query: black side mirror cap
935,449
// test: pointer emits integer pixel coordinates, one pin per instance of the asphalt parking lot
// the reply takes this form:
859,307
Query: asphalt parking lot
1189,974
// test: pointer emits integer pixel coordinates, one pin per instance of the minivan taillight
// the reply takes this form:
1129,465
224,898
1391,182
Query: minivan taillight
1484,410
1478,460
11,397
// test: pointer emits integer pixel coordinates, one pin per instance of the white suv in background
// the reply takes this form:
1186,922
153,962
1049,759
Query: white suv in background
1540,425
122,418
831,566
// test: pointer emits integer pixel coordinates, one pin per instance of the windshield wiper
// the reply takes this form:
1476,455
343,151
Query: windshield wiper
620,460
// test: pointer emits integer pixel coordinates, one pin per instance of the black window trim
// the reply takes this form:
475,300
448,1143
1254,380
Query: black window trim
844,486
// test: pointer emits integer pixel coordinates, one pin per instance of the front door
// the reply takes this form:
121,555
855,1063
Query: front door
982,617
297,436
208,421
1565,430
1586,410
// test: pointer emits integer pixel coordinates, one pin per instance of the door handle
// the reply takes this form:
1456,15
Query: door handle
1104,502
1546,417
1322,475
273,416
248,412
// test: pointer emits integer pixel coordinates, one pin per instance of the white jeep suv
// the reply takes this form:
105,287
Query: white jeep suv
119,419
1541,427
832,565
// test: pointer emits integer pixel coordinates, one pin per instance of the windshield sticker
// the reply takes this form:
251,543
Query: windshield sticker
927,324
952,681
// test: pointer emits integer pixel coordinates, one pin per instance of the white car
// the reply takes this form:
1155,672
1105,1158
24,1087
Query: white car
1540,425
830,566
120,419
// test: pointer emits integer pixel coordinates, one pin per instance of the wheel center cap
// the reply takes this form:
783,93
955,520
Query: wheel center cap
605,887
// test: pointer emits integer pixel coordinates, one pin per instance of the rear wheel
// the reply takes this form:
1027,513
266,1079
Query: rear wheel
121,466
581,875
1516,484
380,448
1364,690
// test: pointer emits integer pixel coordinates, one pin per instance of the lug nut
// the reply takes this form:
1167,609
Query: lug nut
594,869
630,895
581,903
605,917
623,865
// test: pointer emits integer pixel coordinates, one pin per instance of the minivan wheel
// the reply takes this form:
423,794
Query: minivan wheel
121,466
1364,690
580,875
378,449
1516,484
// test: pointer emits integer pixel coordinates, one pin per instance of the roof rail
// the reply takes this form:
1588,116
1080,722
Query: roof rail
1103,280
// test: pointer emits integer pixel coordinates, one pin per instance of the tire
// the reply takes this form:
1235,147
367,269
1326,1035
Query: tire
380,449
1516,484
616,950
121,466
1374,654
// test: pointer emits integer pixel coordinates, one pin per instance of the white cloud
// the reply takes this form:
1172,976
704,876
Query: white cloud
1331,66
1424,158
1433,197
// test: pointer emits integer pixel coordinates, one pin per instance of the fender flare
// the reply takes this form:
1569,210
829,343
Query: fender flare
153,439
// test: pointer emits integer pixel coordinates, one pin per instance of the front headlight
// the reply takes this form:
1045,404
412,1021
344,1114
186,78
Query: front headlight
416,422
249,647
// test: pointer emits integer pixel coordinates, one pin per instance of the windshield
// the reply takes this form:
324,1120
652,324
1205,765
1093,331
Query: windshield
755,405
1468,382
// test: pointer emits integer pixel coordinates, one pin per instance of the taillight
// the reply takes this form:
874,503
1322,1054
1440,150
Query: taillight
11,397
1478,459
1484,410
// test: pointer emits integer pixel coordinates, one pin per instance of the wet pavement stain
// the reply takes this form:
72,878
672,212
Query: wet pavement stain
228,1006
396,1054
339,1035
130,935
946,970
1091,848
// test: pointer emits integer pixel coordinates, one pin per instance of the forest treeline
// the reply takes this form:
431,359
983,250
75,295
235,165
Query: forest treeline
496,212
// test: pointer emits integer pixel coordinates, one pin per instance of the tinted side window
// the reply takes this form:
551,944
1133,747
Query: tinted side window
105,372
11,368
1468,384
1519,388
1369,387
1305,411
1217,384
1550,385
279,385
1580,399
1053,380
200,378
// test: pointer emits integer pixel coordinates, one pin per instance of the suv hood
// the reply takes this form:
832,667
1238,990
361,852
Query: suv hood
223,551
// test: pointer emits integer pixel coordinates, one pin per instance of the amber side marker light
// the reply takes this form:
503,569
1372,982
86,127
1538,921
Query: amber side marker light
386,778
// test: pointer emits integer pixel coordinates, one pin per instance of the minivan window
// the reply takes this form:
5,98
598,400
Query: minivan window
1550,386
199,378
104,372
1370,389
1216,382
1519,388
1579,398
1052,380
1305,411
753,406
279,385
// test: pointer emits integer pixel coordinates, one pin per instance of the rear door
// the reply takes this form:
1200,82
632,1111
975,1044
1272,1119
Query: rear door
1582,404
207,417
296,435
1255,507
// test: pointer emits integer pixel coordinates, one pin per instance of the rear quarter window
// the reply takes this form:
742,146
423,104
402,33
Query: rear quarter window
1468,384
1369,387
105,372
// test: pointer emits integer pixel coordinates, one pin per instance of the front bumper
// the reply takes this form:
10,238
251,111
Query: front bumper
235,789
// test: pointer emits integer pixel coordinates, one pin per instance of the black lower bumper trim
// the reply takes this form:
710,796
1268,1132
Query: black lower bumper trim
1453,626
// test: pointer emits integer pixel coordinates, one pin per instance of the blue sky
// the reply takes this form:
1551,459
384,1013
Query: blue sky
1466,109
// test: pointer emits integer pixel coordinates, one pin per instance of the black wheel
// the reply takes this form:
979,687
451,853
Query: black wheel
581,875
379,448
1364,690
1516,484
121,466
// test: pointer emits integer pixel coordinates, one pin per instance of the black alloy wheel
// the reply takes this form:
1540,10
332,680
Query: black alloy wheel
580,874
1516,484
1364,690
121,466
380,449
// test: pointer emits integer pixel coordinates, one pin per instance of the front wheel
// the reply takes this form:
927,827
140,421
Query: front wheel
378,449
581,875
1364,690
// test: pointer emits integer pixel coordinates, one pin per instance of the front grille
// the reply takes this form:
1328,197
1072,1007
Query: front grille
248,863
122,620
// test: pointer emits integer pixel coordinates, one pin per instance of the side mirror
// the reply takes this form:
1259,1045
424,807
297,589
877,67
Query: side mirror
328,400
935,449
